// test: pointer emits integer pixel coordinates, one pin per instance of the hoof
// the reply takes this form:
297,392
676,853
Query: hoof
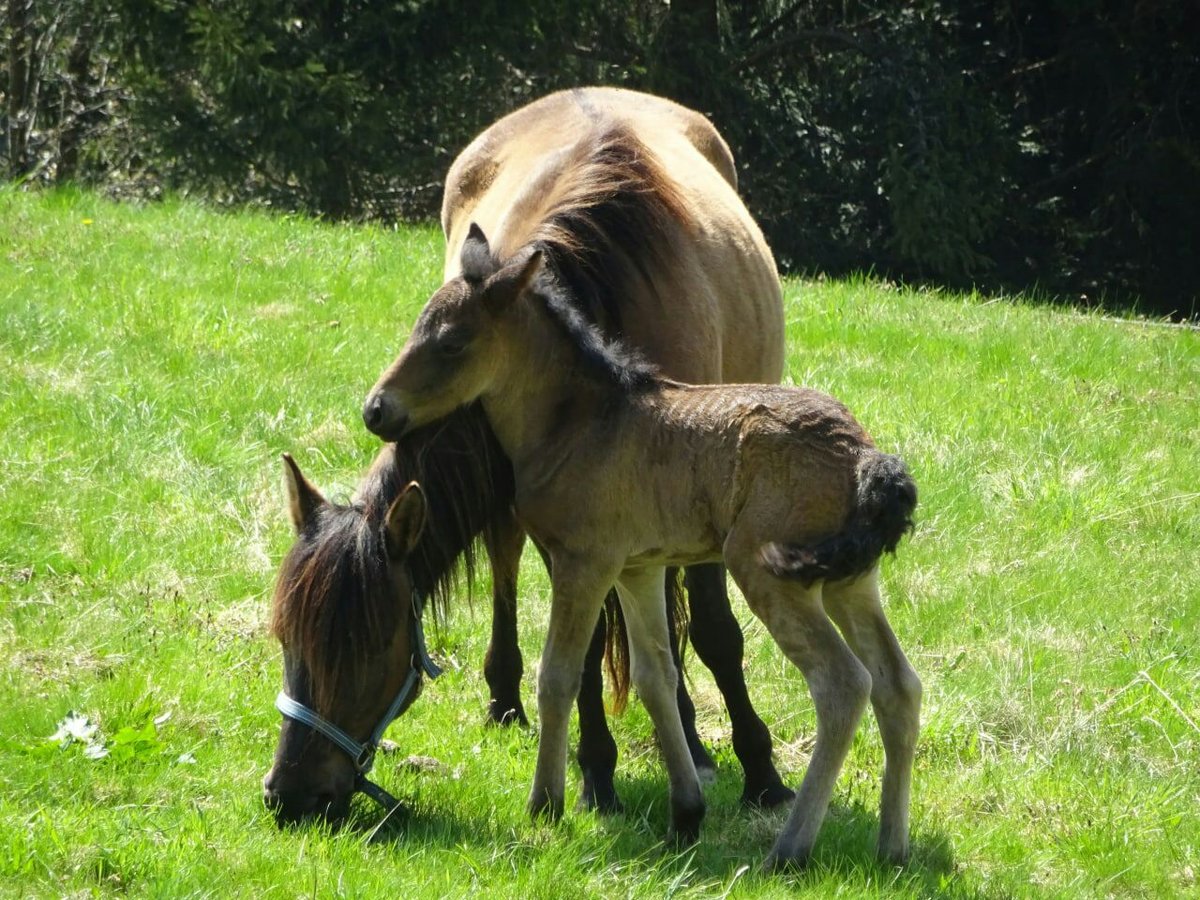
600,798
544,808
685,825
768,797
681,840
505,714
892,856
775,864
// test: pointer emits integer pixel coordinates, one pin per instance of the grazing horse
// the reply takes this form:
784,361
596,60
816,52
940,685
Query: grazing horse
348,600
620,472
706,307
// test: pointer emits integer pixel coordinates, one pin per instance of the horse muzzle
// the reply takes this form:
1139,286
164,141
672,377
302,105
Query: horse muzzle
384,416
291,805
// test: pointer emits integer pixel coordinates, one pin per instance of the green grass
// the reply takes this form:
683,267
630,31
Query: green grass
154,363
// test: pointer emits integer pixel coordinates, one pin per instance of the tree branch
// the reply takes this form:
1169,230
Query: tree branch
806,35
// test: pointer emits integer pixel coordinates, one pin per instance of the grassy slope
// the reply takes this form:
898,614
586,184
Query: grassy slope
154,363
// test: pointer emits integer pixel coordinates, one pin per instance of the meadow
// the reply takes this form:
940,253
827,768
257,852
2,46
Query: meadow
155,361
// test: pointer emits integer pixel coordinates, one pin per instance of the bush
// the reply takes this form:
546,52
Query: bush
968,143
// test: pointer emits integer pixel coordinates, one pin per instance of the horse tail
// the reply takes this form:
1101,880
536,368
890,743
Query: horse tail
616,652
883,512
678,613
616,637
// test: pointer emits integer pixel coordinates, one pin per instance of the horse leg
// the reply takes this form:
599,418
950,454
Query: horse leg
597,752
838,683
717,637
502,667
895,696
705,767
578,585
597,755
655,674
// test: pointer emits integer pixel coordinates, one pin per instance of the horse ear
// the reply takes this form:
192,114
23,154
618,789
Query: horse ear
475,258
405,521
303,499
503,288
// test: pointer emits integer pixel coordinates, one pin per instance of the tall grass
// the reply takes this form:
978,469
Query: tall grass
154,363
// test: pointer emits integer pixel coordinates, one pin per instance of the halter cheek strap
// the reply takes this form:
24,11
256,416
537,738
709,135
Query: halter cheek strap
363,753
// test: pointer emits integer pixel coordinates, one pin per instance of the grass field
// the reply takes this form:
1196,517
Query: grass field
155,362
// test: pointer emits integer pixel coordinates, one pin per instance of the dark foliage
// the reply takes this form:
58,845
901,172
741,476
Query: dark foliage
1008,145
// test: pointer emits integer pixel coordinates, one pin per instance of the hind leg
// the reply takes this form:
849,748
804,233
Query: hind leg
895,696
717,637
655,674
502,666
838,683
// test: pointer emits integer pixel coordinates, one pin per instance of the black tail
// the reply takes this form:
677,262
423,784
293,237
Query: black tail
883,512
678,614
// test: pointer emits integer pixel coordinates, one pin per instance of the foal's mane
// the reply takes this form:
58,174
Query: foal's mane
612,362
335,601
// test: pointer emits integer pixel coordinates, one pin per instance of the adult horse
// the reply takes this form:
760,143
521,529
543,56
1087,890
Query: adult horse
703,302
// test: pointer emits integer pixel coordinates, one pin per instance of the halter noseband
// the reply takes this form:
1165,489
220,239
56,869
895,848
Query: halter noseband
363,753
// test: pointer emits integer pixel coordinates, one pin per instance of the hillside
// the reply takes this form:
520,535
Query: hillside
156,361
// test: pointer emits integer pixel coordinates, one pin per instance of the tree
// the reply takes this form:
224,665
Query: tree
962,143
22,85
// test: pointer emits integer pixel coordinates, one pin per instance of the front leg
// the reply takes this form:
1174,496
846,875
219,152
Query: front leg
502,668
578,586
656,676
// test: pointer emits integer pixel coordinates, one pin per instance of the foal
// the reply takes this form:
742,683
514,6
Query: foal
620,473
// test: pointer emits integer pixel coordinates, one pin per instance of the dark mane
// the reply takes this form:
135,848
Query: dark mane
611,212
612,362
335,601
608,211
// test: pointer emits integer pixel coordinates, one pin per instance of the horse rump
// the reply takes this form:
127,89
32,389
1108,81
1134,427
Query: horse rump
883,512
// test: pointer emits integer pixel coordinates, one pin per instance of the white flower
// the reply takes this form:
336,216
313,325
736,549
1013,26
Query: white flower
74,728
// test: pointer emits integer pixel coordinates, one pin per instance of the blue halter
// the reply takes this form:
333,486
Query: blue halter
363,753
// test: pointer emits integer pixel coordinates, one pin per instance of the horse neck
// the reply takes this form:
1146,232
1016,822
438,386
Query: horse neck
534,394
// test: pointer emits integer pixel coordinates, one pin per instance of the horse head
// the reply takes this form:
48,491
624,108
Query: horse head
449,356
348,620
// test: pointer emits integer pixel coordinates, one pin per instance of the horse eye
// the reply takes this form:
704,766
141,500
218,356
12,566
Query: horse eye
452,344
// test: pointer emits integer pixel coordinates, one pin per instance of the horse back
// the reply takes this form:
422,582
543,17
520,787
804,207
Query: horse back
511,147
711,308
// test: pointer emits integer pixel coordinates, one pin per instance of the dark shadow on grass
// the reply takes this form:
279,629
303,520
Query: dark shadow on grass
732,837
845,848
